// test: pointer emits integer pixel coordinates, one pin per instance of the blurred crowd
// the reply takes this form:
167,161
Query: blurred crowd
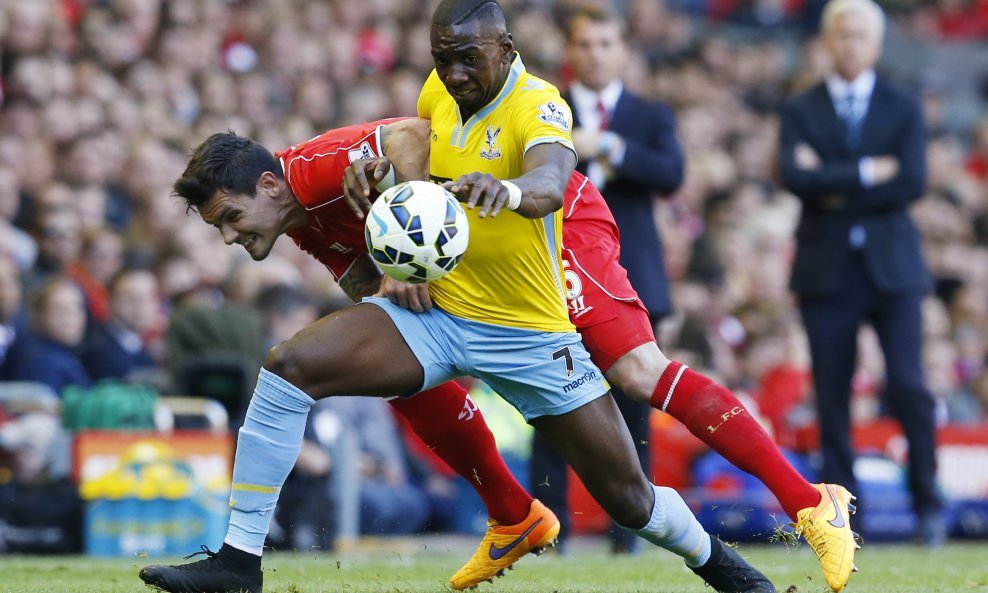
104,275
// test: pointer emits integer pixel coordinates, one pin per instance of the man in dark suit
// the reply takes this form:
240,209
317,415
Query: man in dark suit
629,150
853,150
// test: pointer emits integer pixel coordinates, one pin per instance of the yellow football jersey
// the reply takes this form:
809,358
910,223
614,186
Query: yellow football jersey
511,272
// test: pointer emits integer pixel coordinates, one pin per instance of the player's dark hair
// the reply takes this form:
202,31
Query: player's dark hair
456,12
227,162
595,14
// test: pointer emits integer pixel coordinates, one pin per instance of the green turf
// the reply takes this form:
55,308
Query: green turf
423,565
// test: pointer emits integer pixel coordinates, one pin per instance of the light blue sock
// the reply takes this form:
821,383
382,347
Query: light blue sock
673,527
267,448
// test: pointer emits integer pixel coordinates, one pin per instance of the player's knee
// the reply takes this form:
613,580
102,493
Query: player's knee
640,387
636,374
285,360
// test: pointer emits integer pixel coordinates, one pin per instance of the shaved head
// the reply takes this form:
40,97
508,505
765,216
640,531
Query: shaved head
450,13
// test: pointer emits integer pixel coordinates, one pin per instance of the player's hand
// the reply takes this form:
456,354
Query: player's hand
360,178
409,296
480,188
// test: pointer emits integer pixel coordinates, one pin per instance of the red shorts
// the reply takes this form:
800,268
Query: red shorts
602,304
608,341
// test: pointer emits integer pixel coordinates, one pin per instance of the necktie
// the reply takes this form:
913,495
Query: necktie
852,119
595,169
602,115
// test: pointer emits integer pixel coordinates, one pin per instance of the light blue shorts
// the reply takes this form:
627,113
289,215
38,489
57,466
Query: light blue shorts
539,373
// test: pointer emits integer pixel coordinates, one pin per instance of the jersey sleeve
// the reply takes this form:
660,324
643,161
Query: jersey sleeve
542,117
317,180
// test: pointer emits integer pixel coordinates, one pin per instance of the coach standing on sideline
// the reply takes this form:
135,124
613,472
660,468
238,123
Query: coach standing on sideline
628,148
853,150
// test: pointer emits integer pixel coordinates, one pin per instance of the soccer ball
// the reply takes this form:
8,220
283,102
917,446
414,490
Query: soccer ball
417,232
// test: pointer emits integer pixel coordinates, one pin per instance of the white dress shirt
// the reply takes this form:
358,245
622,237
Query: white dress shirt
584,104
861,89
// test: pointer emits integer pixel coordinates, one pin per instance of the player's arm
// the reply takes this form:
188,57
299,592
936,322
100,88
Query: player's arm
406,156
536,193
361,279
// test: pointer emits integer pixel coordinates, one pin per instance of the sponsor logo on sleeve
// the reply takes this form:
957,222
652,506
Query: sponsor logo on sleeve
364,151
555,114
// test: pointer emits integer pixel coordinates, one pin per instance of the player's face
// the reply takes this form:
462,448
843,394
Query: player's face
472,61
854,42
252,221
596,52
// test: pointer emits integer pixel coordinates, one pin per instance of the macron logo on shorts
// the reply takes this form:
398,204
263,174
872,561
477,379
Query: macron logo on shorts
586,378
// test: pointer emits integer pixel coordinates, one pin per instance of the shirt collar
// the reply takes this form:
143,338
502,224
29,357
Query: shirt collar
861,87
584,97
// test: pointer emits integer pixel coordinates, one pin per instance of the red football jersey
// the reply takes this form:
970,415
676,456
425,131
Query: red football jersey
314,171
591,251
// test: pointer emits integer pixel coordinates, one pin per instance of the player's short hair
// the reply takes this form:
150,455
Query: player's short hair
227,162
456,12
871,10
595,14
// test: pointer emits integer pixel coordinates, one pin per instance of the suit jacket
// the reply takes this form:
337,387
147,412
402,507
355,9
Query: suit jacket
653,163
834,200
105,356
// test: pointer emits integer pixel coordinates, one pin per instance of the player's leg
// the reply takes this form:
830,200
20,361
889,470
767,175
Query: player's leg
625,348
448,421
355,350
549,480
549,378
441,348
636,415
452,425
595,441
715,415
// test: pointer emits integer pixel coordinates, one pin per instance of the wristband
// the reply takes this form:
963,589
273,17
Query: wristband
514,195
388,181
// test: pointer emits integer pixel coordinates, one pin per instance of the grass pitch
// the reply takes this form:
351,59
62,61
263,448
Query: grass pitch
423,564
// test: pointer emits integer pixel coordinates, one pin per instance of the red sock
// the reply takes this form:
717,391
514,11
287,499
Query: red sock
451,425
715,416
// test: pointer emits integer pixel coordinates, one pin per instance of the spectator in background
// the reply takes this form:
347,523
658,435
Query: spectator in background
101,257
390,503
853,150
977,159
12,316
48,352
13,239
59,239
119,347
629,150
